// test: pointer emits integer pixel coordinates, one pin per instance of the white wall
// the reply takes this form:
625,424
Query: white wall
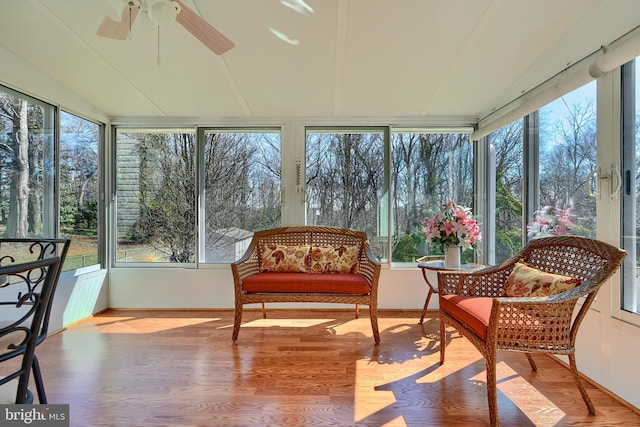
213,288
78,296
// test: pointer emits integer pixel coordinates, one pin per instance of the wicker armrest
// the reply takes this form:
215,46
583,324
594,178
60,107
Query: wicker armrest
369,266
244,267
533,324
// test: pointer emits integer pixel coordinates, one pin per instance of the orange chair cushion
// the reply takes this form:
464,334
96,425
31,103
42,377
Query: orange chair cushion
474,312
350,284
527,281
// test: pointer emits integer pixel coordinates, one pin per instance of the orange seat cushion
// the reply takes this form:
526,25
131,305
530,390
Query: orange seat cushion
323,283
474,312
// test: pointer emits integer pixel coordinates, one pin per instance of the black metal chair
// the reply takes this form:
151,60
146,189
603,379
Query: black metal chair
16,250
25,291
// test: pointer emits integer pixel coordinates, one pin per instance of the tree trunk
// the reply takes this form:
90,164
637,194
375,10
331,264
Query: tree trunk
17,223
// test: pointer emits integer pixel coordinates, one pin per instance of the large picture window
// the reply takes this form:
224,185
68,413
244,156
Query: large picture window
27,167
429,169
567,158
506,155
542,164
156,196
241,170
345,181
79,188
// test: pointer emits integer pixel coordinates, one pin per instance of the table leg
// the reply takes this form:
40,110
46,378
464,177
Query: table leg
426,304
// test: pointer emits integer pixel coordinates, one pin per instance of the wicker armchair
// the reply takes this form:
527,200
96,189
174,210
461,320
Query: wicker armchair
527,324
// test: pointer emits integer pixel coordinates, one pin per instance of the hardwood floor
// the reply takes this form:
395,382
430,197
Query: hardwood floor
298,368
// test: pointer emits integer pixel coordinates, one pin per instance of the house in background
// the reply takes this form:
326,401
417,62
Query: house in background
230,243
304,73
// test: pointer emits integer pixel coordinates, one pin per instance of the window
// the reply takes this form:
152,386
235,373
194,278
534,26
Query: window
542,167
630,295
155,196
345,181
241,190
79,188
28,205
506,156
428,169
567,158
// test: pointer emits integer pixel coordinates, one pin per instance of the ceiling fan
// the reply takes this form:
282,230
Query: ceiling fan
161,12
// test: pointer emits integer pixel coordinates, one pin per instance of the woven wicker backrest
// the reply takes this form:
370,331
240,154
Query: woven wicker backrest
590,260
308,235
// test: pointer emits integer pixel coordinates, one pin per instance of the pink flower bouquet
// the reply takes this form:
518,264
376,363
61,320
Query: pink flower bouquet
455,225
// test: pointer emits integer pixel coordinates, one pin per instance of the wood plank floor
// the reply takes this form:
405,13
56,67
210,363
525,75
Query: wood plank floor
298,368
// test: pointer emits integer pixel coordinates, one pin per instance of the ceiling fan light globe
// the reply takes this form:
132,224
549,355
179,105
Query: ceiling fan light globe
163,12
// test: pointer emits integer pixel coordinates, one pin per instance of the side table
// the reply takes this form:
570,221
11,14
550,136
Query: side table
439,266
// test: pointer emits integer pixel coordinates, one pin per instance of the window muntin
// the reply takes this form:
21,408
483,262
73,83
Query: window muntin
428,169
155,196
630,161
345,181
79,189
242,179
28,204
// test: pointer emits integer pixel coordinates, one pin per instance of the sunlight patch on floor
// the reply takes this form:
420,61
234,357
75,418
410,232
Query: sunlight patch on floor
387,379
539,409
131,325
285,323
354,326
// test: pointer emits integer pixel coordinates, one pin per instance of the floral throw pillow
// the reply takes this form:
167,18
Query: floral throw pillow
285,259
528,281
335,259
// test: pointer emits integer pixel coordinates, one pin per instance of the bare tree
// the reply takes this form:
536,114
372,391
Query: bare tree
567,161
345,179
15,112
78,172
508,146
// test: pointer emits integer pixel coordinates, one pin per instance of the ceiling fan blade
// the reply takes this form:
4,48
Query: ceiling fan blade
203,31
118,30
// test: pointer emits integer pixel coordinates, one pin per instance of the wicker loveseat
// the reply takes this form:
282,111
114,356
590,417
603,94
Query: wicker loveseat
307,264
540,317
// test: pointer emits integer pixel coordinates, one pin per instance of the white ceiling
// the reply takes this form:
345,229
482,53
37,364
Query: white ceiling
360,58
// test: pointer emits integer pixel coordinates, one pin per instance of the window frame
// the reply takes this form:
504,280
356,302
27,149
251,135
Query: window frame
201,132
101,238
114,222
51,203
629,107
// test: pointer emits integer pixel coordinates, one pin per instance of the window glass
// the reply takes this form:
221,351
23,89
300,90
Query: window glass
567,158
27,167
79,201
630,295
345,182
506,152
428,170
241,190
155,195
